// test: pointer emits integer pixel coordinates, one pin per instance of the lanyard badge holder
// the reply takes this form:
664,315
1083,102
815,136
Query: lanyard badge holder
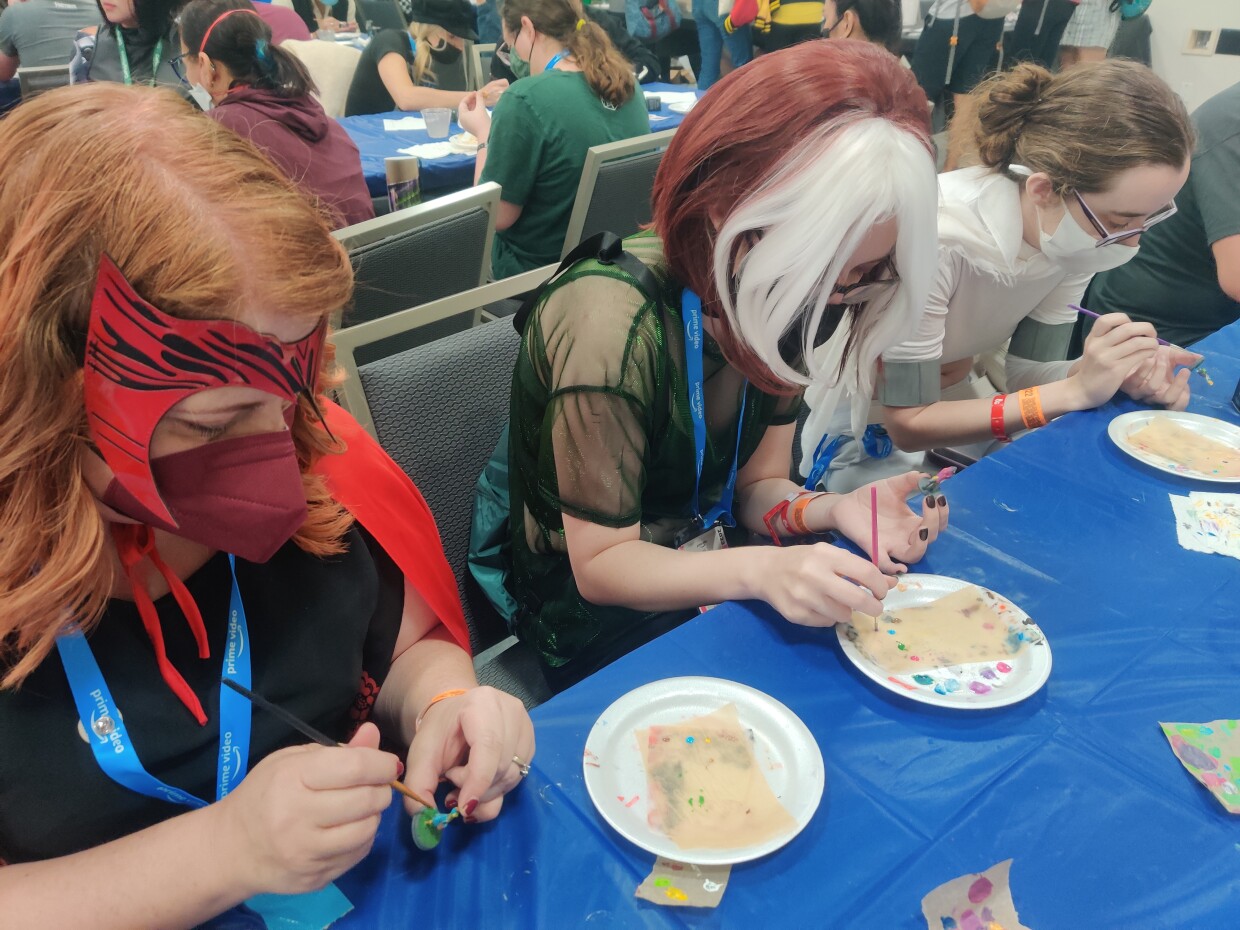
116,755
705,533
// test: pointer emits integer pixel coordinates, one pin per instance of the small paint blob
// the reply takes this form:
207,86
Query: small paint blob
901,647
1206,730
953,685
1003,667
978,687
949,923
923,679
689,740
631,801
940,688
662,882
676,894
989,673
710,887
1194,756
701,800
980,890
891,632
897,681
988,626
914,658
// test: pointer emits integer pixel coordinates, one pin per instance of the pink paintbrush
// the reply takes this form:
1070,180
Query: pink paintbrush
874,532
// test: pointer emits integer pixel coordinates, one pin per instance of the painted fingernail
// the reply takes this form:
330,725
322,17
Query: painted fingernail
942,501
930,502
924,534
469,807
450,802
400,768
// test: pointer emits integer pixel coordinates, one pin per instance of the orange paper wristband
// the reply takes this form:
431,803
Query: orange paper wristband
442,696
1031,408
796,514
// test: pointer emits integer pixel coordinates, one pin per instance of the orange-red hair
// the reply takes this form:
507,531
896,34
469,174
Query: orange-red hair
202,225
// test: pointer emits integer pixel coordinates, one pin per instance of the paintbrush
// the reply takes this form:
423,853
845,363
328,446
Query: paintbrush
1201,366
874,533
321,738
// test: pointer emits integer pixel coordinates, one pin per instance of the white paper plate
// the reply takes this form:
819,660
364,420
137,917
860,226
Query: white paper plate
975,686
1126,424
683,106
460,142
616,777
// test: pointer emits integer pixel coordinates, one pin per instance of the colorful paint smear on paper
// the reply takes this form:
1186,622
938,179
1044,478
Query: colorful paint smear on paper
1186,450
681,884
966,627
980,901
705,787
1211,751
1208,522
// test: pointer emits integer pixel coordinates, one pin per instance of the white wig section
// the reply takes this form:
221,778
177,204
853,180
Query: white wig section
810,217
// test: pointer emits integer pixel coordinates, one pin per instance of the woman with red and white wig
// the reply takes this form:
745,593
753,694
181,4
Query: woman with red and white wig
655,401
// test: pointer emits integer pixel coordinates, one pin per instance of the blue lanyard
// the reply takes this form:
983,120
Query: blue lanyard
691,311
109,738
556,59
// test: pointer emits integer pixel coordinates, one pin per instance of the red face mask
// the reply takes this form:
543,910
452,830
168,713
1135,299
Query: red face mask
140,363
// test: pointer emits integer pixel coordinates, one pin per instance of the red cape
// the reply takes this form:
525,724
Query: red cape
380,496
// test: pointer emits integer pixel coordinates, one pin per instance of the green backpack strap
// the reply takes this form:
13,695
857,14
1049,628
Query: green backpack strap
607,249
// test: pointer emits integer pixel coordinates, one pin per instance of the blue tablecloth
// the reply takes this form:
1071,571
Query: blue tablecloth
456,172
1077,784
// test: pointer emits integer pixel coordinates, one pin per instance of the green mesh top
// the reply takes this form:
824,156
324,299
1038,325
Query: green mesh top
601,431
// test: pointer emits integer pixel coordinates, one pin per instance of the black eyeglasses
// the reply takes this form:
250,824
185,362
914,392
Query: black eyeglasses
879,280
1109,237
177,62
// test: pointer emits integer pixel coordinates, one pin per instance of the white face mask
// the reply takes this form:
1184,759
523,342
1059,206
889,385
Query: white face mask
1076,251
201,97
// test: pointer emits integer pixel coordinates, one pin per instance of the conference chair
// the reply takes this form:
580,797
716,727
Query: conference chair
438,409
418,255
35,80
331,66
481,55
614,192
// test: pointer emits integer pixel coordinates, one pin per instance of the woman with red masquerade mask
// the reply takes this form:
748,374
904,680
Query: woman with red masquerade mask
640,408
178,502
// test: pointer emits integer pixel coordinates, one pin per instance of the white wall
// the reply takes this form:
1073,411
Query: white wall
1195,78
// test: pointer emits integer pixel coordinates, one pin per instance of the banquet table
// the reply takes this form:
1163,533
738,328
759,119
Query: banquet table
453,172
1077,784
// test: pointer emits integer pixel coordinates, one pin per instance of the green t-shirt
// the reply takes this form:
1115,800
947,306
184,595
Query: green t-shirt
1173,280
540,131
601,430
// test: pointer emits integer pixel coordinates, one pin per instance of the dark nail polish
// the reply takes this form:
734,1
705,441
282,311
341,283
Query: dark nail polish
450,802
924,534
470,806
942,501
930,502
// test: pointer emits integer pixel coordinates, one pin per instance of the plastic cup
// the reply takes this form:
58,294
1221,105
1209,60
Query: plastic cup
438,122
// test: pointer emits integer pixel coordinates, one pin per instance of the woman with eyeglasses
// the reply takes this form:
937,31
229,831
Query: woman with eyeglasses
264,94
135,43
1074,167
654,400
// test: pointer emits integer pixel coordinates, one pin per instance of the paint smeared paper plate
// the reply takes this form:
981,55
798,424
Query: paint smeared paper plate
971,686
785,750
1125,425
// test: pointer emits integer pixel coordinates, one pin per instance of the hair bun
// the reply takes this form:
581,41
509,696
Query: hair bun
1004,104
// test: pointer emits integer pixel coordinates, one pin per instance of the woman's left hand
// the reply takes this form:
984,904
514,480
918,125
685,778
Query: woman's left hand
471,740
902,534
472,114
1158,382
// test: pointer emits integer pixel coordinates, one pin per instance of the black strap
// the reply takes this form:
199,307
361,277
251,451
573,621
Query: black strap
607,249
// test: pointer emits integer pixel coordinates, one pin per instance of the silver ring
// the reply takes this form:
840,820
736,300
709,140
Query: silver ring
522,767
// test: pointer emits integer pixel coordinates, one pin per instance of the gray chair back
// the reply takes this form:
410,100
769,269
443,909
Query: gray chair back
614,193
41,78
438,409
419,255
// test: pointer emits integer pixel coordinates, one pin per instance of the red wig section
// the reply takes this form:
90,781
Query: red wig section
739,134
